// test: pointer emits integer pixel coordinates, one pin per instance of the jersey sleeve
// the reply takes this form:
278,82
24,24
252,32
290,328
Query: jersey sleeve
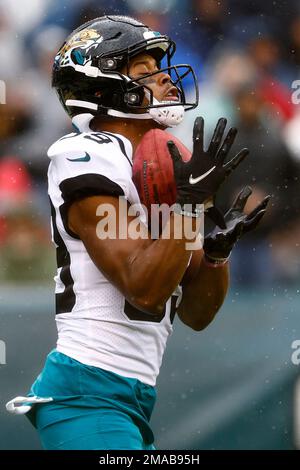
85,165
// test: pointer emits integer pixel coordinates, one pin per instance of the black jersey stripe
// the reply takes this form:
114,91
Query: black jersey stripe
79,187
134,313
65,300
174,299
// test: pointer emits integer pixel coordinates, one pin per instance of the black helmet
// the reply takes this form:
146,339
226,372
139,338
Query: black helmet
86,71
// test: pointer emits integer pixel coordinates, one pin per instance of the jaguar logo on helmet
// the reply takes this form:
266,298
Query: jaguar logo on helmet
85,40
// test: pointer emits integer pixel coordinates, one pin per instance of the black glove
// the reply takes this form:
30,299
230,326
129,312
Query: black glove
219,243
198,180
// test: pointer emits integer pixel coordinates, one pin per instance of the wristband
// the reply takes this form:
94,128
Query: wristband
193,212
215,262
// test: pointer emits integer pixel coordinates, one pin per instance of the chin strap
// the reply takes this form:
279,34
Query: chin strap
169,116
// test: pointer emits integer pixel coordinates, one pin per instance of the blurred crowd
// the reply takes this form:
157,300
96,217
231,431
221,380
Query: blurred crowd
246,56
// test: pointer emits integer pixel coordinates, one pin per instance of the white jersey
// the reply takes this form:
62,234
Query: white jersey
96,324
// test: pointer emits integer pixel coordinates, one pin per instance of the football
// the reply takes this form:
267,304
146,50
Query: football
152,172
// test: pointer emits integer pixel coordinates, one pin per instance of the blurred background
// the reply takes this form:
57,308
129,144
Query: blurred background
232,385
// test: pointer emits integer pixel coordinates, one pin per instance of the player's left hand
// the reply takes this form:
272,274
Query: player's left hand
219,243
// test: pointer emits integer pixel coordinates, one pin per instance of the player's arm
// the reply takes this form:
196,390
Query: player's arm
146,271
205,289
203,293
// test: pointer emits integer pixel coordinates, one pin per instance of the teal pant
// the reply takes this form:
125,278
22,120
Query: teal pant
102,430
92,409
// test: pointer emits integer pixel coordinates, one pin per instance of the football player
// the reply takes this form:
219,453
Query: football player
116,297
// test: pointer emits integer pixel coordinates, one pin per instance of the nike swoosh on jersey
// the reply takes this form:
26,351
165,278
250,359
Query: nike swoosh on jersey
86,158
201,177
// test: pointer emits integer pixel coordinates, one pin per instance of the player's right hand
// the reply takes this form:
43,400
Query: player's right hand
198,180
